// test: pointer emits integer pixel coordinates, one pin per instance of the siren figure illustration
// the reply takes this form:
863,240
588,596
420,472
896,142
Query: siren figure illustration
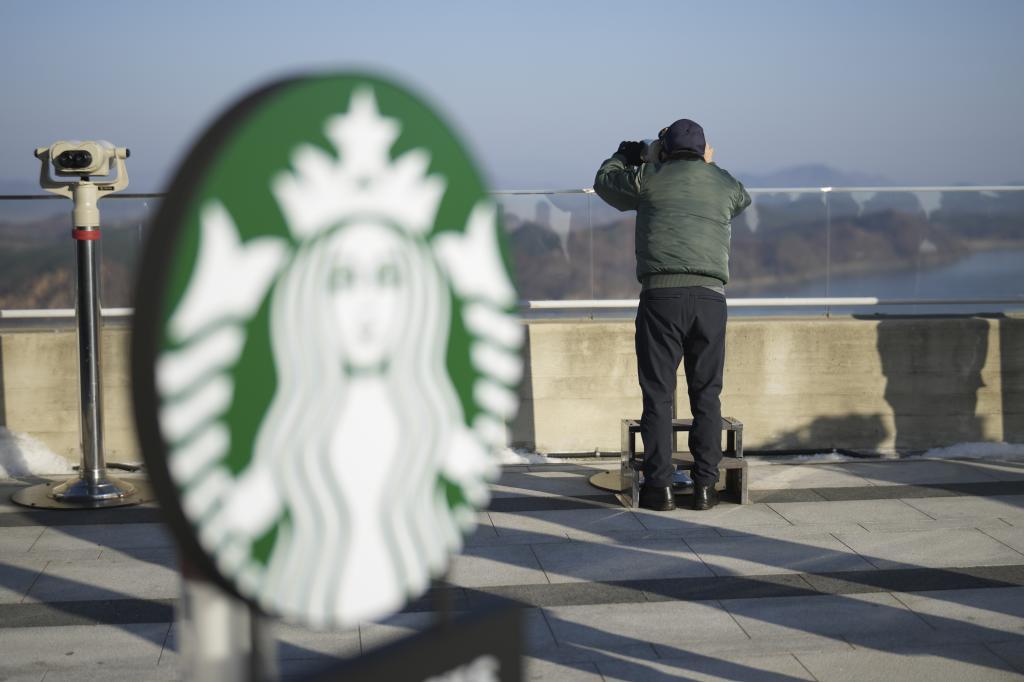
364,465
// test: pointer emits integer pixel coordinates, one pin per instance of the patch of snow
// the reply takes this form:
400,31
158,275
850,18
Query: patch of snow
978,451
524,456
22,455
810,459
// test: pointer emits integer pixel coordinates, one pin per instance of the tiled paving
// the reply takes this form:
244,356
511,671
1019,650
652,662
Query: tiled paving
862,570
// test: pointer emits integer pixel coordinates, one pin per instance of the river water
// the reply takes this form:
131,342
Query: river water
983,274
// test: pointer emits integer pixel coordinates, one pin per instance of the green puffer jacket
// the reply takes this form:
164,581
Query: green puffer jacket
683,208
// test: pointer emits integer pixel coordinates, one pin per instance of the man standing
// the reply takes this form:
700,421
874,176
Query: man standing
684,206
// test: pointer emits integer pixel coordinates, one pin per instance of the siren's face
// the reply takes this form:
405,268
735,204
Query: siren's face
368,289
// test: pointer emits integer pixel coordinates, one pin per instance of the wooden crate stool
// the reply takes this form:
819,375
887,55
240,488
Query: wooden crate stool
734,482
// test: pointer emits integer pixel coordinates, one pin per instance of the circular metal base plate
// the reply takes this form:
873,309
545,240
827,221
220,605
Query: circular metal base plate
612,481
608,480
42,496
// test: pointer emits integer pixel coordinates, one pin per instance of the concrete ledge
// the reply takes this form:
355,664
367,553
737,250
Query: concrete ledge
871,384
39,390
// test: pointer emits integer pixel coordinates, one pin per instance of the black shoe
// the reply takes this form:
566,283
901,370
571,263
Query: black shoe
704,496
658,498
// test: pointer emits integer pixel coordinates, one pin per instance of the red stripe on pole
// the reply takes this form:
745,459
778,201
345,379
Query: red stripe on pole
86,235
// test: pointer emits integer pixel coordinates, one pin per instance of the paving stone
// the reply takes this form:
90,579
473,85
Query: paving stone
540,670
1010,651
708,668
113,673
919,472
670,624
17,574
294,642
536,634
561,594
727,587
781,476
574,653
302,669
1000,608
374,635
97,579
8,488
36,674
638,560
628,536
931,524
19,539
828,615
725,515
789,532
482,566
898,640
164,556
1003,506
1011,537
484,532
856,511
796,494
916,579
543,483
558,526
760,555
931,548
1001,471
73,646
518,504
100,536
68,554
790,644
951,662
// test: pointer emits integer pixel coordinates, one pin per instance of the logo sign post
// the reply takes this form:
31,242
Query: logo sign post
325,353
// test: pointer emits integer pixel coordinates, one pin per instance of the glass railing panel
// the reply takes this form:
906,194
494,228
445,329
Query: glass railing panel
927,245
125,228
565,246
780,250
37,254
549,238
37,258
614,251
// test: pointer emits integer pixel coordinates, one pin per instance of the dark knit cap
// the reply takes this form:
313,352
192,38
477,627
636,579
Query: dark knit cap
684,136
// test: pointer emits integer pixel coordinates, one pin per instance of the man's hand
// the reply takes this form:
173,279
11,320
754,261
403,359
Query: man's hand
633,152
709,152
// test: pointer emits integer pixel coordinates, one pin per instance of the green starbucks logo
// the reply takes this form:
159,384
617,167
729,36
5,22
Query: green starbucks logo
326,354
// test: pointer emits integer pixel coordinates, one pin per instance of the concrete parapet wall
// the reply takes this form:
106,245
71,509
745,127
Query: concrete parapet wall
868,384
39,390
877,384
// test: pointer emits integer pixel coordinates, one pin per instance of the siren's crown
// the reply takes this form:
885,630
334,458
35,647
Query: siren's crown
362,181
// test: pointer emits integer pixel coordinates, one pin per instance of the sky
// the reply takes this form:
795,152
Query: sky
915,92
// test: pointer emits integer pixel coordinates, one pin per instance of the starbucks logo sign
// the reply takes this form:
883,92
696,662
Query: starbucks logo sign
325,352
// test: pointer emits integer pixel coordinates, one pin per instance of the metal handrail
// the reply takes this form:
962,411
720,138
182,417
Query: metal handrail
619,304
833,302
53,197
58,313
590,190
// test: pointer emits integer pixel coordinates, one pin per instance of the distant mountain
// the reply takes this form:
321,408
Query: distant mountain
812,175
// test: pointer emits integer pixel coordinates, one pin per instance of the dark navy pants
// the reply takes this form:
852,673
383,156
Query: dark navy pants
686,323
